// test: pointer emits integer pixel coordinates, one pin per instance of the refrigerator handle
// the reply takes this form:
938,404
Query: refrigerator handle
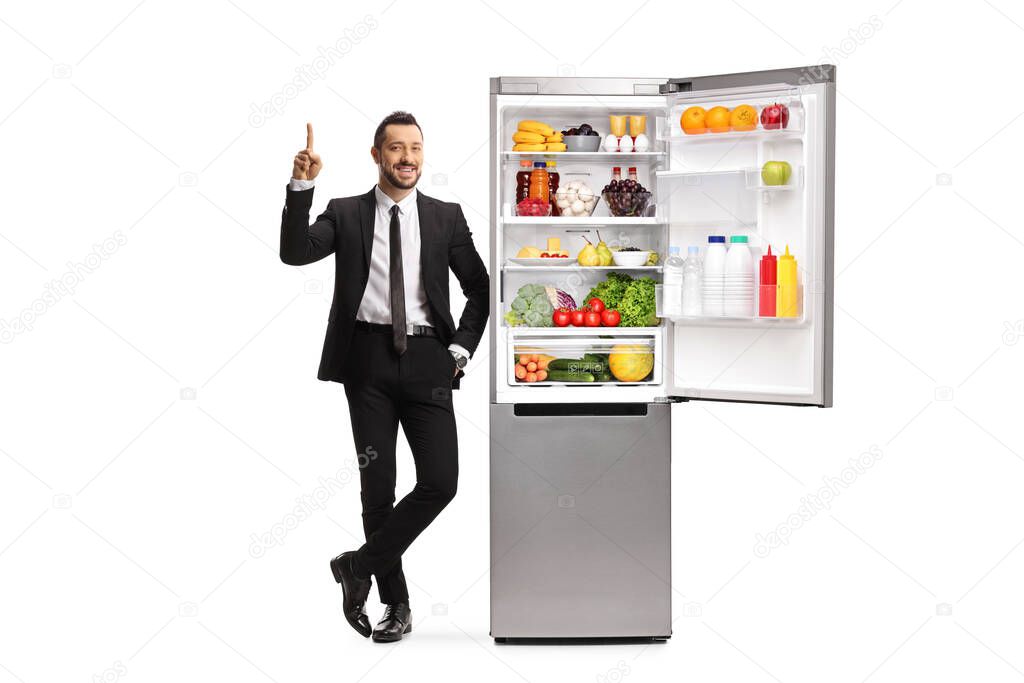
580,409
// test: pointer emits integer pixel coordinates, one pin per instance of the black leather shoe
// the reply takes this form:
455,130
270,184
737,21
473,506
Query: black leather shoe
396,622
354,591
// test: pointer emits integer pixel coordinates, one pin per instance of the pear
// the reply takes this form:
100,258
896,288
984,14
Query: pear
588,255
603,252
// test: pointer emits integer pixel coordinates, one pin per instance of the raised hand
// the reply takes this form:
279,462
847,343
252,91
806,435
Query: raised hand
307,164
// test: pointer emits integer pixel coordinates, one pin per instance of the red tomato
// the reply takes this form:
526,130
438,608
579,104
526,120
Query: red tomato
577,318
592,319
596,305
561,317
610,318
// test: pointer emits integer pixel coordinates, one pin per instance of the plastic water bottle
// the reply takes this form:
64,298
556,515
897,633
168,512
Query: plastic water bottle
713,292
693,273
673,283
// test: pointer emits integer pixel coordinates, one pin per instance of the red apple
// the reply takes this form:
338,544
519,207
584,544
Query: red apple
775,116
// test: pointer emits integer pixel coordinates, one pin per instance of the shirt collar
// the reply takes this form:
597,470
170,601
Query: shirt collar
385,202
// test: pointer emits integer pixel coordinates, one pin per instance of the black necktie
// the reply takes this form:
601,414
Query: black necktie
397,284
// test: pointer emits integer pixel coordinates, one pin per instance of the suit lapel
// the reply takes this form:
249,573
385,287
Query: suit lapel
425,209
367,217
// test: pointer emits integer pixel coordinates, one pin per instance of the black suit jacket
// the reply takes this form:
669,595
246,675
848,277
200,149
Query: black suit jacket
345,228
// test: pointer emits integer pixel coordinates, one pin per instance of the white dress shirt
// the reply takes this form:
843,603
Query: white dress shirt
375,306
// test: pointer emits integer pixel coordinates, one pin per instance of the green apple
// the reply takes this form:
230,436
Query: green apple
776,172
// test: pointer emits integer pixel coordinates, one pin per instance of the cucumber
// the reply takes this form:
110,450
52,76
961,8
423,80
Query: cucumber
566,376
577,365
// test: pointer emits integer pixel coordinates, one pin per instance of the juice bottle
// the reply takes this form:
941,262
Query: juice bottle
523,180
539,182
553,186
787,303
632,173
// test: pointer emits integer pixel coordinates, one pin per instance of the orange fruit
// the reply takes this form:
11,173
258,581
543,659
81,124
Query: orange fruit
692,121
717,120
743,117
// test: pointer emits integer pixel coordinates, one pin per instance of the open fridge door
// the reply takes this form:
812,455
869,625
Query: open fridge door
756,161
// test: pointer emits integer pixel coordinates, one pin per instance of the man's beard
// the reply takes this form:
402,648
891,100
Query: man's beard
393,178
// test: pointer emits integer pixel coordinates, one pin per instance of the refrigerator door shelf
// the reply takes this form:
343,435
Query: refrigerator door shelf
788,99
755,180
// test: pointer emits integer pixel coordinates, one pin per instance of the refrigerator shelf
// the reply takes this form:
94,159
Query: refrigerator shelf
517,333
578,221
621,157
573,266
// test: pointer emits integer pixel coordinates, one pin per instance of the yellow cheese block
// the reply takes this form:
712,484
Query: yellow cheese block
554,245
528,252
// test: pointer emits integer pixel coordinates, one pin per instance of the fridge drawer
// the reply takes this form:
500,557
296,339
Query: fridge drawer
551,360
580,520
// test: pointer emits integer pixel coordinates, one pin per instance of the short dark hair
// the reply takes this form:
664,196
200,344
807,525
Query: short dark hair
401,118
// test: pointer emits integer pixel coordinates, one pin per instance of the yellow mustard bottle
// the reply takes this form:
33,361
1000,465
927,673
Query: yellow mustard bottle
787,305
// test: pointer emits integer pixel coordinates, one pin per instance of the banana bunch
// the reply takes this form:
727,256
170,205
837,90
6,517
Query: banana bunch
534,136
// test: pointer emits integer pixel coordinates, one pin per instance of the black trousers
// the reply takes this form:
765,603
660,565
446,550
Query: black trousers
414,391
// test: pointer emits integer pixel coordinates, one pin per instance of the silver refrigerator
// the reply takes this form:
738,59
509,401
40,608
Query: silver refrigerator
580,415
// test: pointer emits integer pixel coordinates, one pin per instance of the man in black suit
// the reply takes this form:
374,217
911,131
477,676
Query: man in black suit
393,343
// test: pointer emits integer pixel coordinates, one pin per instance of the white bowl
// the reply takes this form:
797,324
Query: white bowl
630,259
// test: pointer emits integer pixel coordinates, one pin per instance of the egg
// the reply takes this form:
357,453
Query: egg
578,208
611,144
642,143
562,202
585,194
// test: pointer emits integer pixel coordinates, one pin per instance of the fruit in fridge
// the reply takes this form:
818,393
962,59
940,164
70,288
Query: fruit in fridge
630,362
775,116
743,117
692,121
776,172
717,120
536,127
588,255
527,137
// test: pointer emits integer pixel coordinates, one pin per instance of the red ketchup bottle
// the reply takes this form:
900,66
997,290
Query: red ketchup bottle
767,285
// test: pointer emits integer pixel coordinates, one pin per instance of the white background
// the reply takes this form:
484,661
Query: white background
128,507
